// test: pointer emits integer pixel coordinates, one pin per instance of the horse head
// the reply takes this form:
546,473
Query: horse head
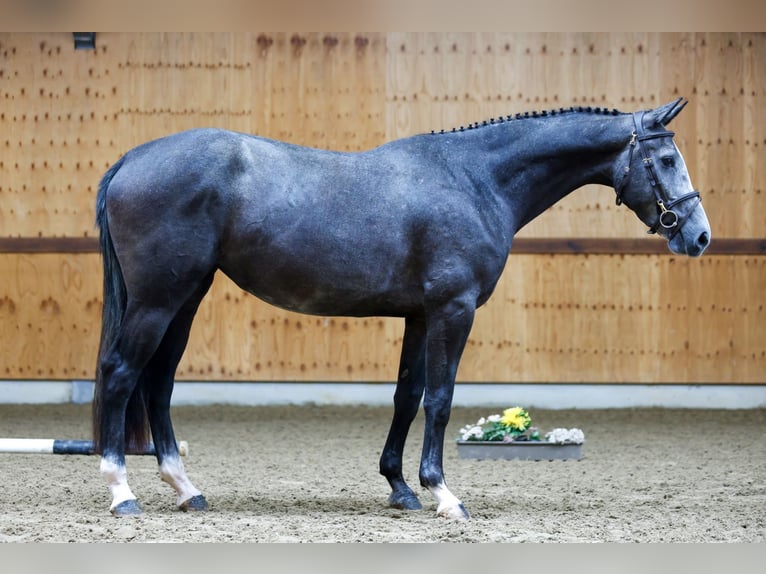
652,180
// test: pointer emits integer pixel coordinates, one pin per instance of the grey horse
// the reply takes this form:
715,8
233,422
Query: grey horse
418,228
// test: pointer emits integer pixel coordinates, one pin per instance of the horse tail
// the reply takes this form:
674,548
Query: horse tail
113,310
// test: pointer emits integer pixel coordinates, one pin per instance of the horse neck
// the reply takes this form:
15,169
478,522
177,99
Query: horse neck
533,163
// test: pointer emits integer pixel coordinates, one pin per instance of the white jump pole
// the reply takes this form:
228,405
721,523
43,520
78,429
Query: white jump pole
59,446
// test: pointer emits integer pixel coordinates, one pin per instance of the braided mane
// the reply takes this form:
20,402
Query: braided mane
534,114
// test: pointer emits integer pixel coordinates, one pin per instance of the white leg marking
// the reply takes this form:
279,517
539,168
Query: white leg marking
449,506
172,471
116,476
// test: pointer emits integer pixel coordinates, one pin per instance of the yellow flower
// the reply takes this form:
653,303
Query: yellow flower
516,418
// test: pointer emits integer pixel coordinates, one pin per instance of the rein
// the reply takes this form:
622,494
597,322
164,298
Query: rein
668,218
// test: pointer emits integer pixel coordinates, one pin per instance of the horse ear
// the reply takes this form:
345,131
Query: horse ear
665,114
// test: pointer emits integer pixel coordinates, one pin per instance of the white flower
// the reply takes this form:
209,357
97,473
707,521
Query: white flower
561,436
481,421
471,431
494,418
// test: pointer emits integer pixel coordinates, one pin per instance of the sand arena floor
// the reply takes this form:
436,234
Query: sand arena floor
309,474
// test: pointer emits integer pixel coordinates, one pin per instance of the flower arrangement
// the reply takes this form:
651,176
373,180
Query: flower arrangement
513,425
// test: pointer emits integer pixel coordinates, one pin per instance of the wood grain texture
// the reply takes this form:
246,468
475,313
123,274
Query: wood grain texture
67,115
617,318
50,316
553,318
585,296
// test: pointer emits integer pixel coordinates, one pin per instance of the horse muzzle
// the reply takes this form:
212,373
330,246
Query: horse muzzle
690,235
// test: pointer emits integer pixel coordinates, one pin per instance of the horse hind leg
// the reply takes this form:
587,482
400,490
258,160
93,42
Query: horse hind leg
158,378
409,392
139,336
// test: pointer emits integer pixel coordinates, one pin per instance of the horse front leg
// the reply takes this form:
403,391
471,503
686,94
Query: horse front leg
447,332
409,392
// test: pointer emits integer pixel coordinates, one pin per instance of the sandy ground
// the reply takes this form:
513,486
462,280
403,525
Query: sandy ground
309,474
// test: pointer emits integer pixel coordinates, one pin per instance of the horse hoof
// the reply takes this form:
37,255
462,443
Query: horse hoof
127,508
404,501
194,504
458,513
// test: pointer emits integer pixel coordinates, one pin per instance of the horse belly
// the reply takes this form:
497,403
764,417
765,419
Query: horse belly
331,283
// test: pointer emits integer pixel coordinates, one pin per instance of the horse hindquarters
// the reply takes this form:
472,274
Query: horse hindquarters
150,296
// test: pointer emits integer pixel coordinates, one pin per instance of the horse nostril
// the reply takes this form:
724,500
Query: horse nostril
703,239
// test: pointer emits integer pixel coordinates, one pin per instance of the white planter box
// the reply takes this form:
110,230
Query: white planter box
521,450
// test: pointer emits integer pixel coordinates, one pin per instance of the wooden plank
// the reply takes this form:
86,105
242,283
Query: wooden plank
50,315
677,81
49,245
521,245
753,167
621,246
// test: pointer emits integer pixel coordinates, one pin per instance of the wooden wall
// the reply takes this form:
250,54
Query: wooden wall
66,115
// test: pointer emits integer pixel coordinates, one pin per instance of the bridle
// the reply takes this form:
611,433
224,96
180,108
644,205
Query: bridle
668,218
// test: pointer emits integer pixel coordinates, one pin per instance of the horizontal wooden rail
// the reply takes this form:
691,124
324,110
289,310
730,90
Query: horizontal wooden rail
521,245
640,246
48,245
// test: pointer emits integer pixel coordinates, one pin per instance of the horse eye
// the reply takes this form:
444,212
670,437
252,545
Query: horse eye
668,161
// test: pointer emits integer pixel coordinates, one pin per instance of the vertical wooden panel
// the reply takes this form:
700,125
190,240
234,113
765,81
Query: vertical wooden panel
54,123
50,315
172,82
676,81
753,157
322,90
720,76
